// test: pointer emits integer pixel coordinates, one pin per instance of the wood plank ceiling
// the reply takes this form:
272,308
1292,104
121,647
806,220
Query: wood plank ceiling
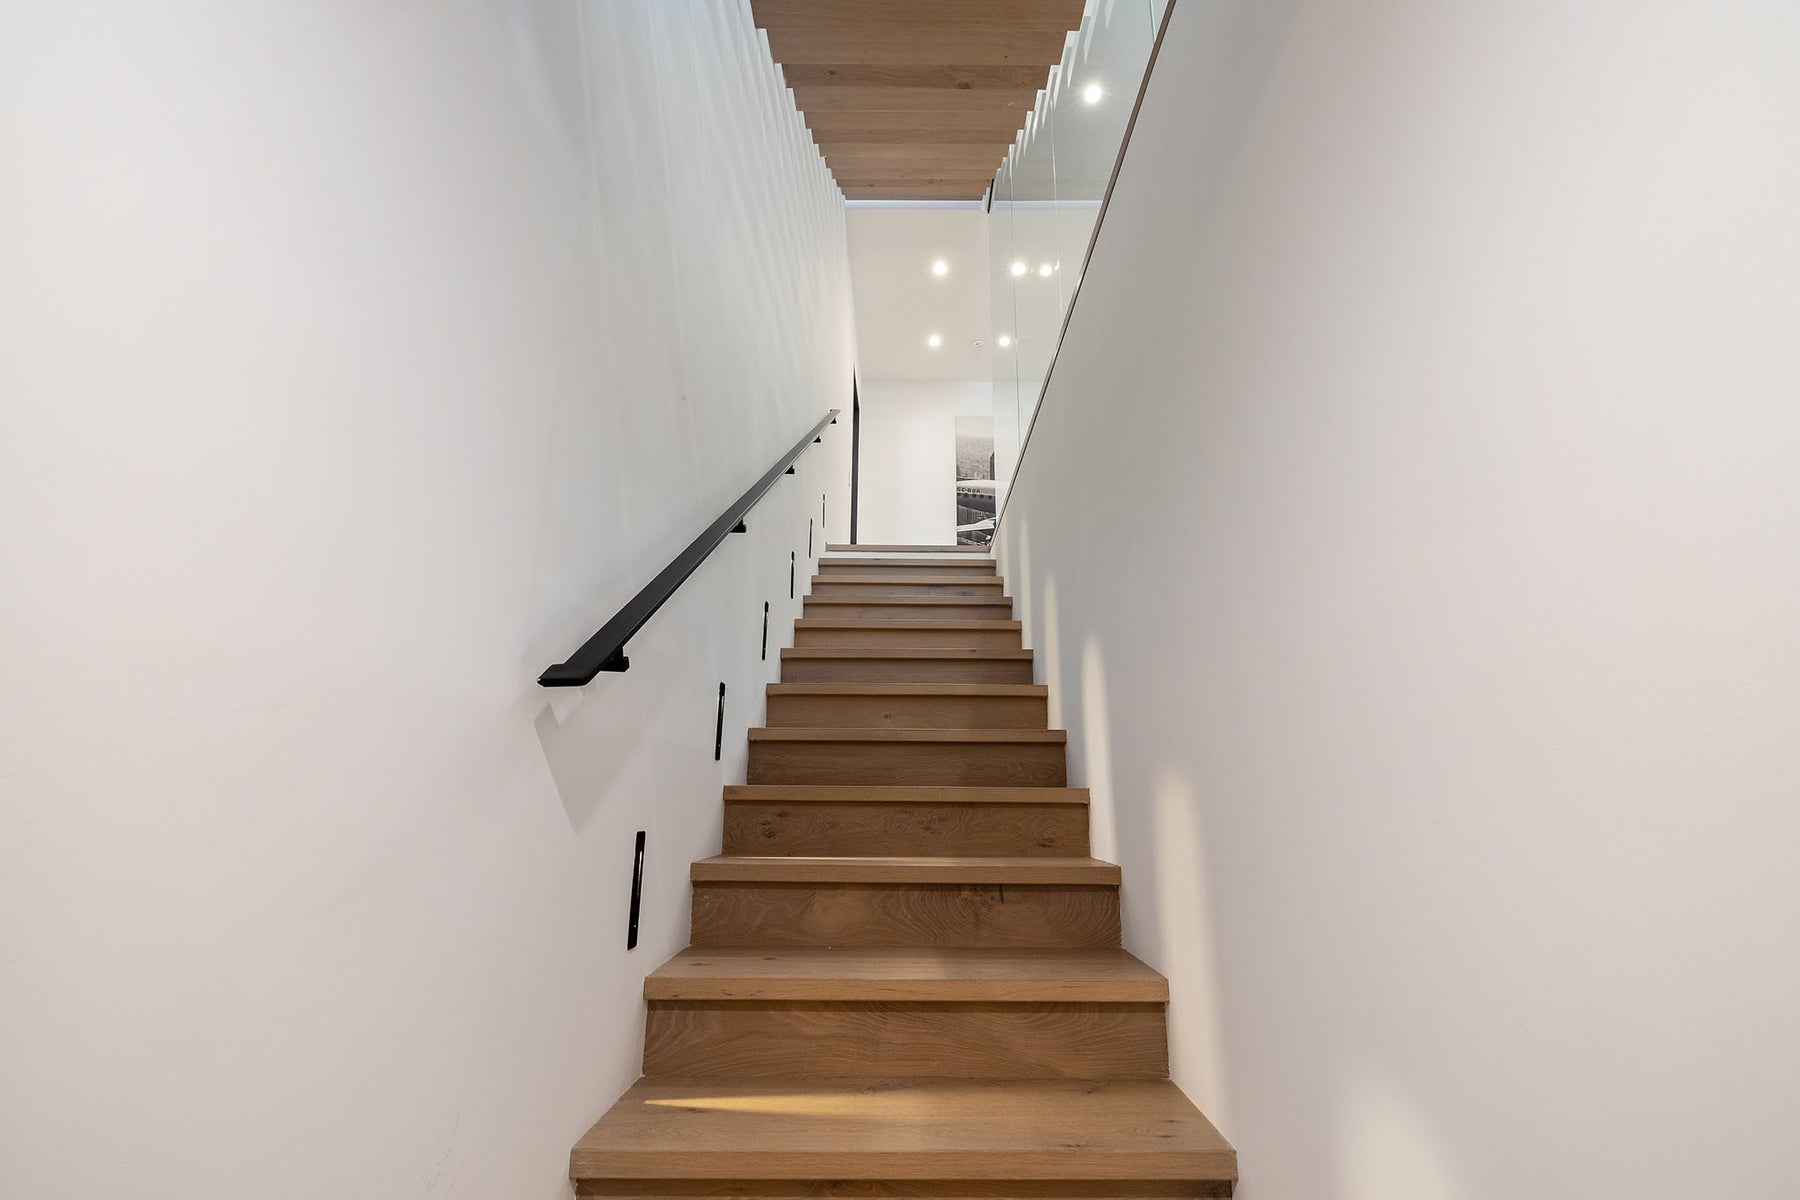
916,99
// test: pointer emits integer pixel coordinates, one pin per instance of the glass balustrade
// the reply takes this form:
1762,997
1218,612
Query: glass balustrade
1046,200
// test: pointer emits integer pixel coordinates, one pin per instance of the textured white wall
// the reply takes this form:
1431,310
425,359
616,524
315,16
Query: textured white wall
1409,532
359,358
906,482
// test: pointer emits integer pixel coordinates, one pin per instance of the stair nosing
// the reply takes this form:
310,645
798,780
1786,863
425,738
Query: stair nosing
861,793
1047,977
1025,691
883,733
1009,653
1025,872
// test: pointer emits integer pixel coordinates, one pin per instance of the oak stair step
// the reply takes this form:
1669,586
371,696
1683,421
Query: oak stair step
883,548
864,631
971,976
939,568
910,705
907,583
878,664
943,757
1000,902
846,1039
886,820
880,1129
794,793
866,869
927,607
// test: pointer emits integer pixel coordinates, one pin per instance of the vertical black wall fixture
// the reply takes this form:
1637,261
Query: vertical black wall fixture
809,529
790,574
637,892
719,727
855,452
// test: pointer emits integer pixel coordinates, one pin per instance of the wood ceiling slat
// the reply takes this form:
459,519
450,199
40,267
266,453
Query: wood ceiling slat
1022,48
916,98
1015,102
948,16
933,76
986,126
907,191
858,153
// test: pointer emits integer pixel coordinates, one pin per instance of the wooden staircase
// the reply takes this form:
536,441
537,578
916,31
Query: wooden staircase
905,976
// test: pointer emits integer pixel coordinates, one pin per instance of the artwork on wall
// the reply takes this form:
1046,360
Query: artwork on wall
974,481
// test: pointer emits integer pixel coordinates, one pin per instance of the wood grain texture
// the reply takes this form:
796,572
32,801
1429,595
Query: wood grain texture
1024,830
1002,916
959,608
907,1189
903,16
895,583
909,705
808,664
919,47
986,126
851,631
891,548
862,869
942,757
1067,976
951,568
928,1129
941,961
885,794
733,1039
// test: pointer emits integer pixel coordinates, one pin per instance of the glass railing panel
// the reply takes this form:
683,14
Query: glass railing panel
1047,199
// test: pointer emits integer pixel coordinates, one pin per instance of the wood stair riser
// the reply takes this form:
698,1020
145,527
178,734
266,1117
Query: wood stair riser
884,548
840,1039
1000,635
870,668
1009,916
1010,764
861,587
913,608
1024,830
924,710
936,572
906,1189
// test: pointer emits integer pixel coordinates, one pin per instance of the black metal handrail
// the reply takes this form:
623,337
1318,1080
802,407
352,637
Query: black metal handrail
605,651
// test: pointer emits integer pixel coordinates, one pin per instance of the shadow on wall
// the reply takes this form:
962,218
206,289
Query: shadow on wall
1154,809
588,741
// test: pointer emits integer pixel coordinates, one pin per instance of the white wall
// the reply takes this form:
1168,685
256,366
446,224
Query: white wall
1410,531
358,360
906,480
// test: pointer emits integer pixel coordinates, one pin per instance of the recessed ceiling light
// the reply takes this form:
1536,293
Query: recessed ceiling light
934,341
1045,270
940,268
1093,93
1018,268
1005,340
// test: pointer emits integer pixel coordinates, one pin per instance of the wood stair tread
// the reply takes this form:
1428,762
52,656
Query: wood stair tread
895,577
903,1129
887,974
882,624
910,689
880,869
886,548
802,793
961,563
921,600
831,733
924,652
